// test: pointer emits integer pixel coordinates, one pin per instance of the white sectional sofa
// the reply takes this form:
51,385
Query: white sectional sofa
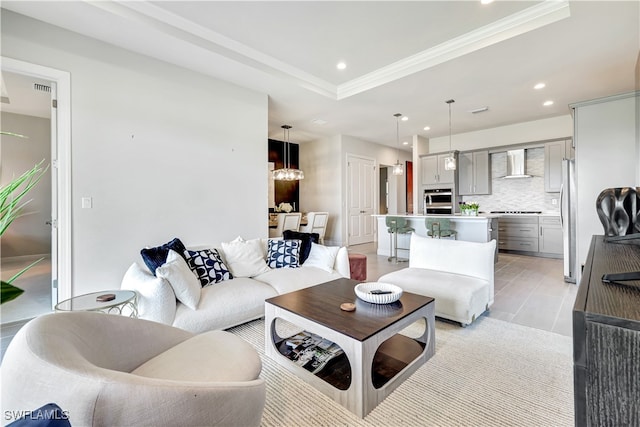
230,302
458,274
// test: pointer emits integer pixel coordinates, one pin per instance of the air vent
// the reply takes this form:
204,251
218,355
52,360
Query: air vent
479,110
41,88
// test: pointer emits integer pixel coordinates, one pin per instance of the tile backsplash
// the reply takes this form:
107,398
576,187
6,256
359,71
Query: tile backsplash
523,194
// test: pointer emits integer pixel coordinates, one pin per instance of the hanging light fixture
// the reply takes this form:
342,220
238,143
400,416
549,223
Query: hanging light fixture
287,173
450,162
397,168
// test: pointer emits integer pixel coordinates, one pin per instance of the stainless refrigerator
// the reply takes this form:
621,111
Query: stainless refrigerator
568,218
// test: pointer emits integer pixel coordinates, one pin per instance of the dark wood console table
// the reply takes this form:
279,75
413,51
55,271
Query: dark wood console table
606,339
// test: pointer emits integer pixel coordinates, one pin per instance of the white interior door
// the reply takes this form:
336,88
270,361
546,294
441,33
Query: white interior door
361,179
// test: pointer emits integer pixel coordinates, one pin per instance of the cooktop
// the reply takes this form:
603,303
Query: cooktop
516,212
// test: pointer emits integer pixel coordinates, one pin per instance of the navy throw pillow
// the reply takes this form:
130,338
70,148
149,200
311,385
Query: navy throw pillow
305,242
155,257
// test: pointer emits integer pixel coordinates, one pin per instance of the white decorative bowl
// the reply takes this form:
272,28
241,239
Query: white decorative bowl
363,291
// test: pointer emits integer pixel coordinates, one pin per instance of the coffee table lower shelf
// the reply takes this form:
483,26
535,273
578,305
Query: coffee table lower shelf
391,358
369,370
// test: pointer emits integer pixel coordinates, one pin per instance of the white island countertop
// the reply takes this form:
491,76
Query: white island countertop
482,216
469,228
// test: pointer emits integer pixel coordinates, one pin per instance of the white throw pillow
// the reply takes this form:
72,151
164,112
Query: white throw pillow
185,284
245,258
321,256
156,300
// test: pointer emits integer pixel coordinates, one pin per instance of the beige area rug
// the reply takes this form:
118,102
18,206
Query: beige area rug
492,373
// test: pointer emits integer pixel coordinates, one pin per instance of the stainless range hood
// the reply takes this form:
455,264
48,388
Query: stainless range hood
516,161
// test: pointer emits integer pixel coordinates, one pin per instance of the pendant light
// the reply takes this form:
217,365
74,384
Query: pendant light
397,168
450,162
286,173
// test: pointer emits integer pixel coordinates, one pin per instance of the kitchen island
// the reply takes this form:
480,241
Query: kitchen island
481,228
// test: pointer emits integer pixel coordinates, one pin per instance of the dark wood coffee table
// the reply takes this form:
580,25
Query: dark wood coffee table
376,358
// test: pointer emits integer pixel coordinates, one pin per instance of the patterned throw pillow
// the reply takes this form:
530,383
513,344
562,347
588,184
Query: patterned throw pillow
208,266
283,254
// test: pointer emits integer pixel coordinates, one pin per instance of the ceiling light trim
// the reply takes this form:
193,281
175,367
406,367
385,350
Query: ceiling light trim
513,25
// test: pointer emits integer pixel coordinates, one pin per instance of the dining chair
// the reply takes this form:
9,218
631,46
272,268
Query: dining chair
316,223
286,221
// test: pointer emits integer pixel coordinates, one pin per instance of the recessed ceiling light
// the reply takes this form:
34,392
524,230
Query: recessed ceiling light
539,86
426,128
405,143
404,119
486,1
319,122
341,66
547,103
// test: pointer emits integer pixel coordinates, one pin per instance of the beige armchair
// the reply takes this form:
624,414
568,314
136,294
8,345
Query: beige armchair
316,223
286,221
113,370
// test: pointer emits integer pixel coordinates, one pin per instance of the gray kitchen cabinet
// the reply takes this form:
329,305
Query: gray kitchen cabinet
474,173
518,233
429,170
432,170
554,153
550,235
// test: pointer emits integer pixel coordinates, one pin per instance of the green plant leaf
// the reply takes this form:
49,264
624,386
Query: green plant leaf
3,132
11,205
19,273
9,292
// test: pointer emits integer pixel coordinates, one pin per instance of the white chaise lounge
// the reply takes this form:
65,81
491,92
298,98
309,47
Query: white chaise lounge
458,274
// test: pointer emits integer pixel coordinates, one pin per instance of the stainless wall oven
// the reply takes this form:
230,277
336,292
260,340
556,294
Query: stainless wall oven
439,201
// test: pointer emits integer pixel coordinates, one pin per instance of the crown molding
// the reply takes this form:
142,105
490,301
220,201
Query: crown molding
511,26
184,30
152,16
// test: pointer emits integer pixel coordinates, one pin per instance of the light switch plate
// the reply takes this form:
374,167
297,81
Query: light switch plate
87,203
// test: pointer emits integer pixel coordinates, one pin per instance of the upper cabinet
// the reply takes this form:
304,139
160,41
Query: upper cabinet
474,173
554,153
433,171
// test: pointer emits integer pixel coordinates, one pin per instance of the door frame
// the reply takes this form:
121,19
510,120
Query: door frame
61,161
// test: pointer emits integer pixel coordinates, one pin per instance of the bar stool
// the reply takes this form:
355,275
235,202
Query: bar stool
440,227
396,225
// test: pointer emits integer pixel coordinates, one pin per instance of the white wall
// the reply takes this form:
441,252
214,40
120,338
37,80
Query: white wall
28,234
605,138
321,188
162,151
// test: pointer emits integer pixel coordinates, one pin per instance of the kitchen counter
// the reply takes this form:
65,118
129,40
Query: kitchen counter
469,228
457,216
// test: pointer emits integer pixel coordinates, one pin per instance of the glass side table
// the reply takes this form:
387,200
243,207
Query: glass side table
125,303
